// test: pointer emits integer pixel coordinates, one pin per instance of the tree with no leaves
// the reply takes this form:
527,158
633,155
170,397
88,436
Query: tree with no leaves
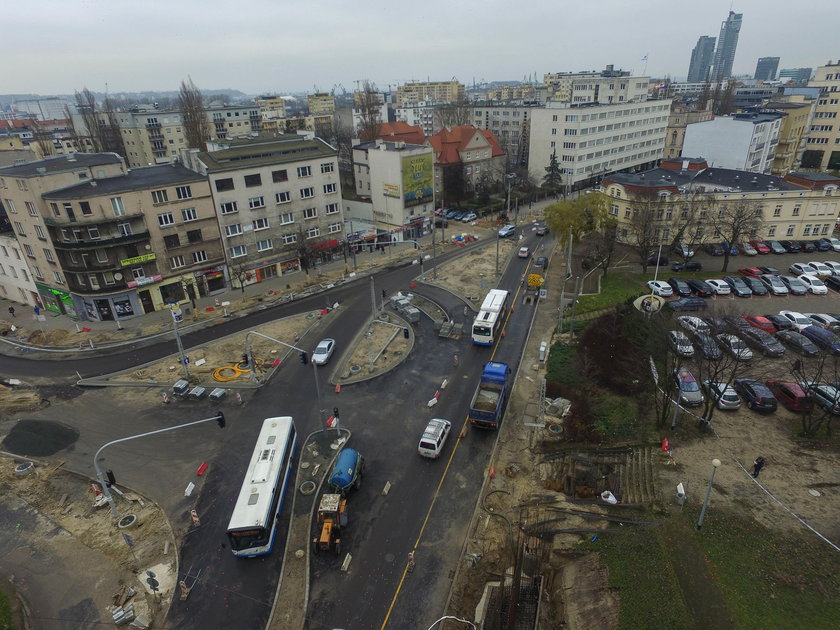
735,221
101,126
193,115
369,111
644,225
454,114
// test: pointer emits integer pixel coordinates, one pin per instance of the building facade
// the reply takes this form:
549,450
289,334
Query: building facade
766,68
823,144
797,76
510,124
727,43
701,60
741,141
434,92
468,158
799,112
747,97
16,283
321,103
681,116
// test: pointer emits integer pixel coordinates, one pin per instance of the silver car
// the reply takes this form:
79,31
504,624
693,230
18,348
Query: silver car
725,396
323,351
680,343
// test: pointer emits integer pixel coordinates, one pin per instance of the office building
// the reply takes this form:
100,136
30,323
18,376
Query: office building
766,68
701,60
823,144
797,76
727,43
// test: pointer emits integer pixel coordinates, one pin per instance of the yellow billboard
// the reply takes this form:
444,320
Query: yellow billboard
417,179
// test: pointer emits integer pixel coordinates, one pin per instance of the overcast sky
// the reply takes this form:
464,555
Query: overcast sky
282,46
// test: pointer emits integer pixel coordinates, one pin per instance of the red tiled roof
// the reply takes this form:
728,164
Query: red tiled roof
400,132
448,143
16,123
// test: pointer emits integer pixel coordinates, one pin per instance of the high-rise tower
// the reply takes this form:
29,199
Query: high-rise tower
726,45
766,68
701,59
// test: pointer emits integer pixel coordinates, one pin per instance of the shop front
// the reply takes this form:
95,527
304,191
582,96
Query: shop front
56,300
104,308
210,281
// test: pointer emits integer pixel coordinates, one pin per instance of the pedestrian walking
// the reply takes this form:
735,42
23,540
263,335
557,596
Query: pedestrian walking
12,310
410,566
466,310
37,310
758,464
455,360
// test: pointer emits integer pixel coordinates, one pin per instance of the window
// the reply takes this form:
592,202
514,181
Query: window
253,180
159,196
137,273
313,232
807,230
771,231
304,171
33,211
19,228
332,228
117,206
332,208
124,229
55,210
183,192
283,197
825,228
614,210
194,236
310,213
288,239
256,202
237,250
109,277
57,277
286,218
264,245
233,230
10,206
791,229
171,240
93,232
177,261
165,219
796,209
329,189
327,167
28,250
777,211
39,232
306,193
260,224
188,214
229,207
279,176
85,208
223,185
199,257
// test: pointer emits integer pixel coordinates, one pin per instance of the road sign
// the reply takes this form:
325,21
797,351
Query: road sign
543,294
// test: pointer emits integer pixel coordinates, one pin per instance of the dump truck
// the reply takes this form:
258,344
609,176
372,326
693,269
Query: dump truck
347,471
488,403
332,518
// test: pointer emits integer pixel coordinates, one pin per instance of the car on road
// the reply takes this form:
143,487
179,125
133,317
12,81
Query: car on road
798,320
781,323
689,391
756,286
823,338
523,252
832,282
826,396
791,395
693,324
657,260
813,284
760,322
735,346
820,269
707,346
794,285
773,284
687,304
792,247
714,249
680,287
738,286
756,394
680,343
823,319
797,269
753,272
719,287
506,231
776,247
657,287
691,265
323,351
724,395
434,438
760,247
748,249
541,230
700,288
762,341
833,266
798,343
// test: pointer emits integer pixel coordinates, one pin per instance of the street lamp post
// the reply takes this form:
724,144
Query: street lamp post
510,177
178,317
715,466
219,417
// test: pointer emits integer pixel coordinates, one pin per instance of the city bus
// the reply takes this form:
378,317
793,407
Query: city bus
253,523
488,322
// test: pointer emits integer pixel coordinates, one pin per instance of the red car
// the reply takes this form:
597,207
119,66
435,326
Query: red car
752,272
760,247
791,395
760,322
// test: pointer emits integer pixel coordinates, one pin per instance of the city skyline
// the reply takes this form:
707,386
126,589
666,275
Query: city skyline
325,43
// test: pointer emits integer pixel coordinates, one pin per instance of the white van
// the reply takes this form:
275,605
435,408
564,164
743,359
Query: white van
434,437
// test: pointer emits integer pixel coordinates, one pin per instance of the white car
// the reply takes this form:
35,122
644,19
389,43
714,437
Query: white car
680,343
323,351
719,286
724,395
835,243
524,252
799,321
821,268
814,284
834,266
748,249
693,324
434,437
821,319
660,288
797,269
735,346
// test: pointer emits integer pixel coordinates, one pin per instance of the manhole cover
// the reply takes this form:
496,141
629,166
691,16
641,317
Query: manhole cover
29,467
354,369
307,487
304,465
127,521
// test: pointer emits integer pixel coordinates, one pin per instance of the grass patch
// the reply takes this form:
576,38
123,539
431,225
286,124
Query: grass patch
7,621
562,365
616,417
615,289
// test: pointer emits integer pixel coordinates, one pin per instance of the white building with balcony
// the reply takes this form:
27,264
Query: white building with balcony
744,142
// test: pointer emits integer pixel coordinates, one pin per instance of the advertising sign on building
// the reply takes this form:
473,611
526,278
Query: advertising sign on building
418,177
390,190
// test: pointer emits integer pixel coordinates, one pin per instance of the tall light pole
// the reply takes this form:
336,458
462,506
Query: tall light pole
715,466
509,177
177,316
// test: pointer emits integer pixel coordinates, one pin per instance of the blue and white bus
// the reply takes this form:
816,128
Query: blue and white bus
488,323
253,523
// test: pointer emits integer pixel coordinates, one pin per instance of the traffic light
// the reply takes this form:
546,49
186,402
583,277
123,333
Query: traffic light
111,479
405,333
303,358
335,412
220,418
384,294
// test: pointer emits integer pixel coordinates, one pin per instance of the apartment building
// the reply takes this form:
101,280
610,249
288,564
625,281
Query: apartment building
434,92
421,114
16,283
507,93
271,106
320,103
823,144
799,113
466,157
278,203
681,116
741,141
689,194
510,124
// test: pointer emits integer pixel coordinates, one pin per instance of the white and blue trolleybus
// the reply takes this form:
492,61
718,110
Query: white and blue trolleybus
488,323
253,524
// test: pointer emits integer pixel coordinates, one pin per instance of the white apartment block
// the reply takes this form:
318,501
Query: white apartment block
744,142
421,115
511,126
822,151
16,282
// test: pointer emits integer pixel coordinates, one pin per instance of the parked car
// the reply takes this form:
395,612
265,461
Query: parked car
506,231
738,286
791,395
687,304
657,260
752,272
834,242
796,342
756,394
541,230
693,324
748,249
735,346
833,266
797,269
773,284
714,249
735,323
832,282
700,288
822,245
776,247
691,265
689,391
657,287
823,319
323,351
523,252
733,249
680,343
719,287
717,324
760,247
826,396
813,284
679,287
781,323
794,285
762,341
724,395
470,216
823,338
457,215
771,271
820,269
760,322
792,247
707,346
798,320
680,249
807,246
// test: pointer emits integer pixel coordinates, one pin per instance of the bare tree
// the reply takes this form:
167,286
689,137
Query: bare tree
734,221
193,115
86,105
43,139
306,252
75,137
102,129
809,374
454,114
647,214
112,140
369,111
600,247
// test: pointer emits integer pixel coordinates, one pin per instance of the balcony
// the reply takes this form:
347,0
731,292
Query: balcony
125,239
90,266
77,221
152,125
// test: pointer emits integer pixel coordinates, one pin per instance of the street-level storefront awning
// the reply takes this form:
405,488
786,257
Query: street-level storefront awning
325,244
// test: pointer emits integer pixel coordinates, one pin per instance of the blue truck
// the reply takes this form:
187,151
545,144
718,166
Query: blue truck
347,472
488,403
